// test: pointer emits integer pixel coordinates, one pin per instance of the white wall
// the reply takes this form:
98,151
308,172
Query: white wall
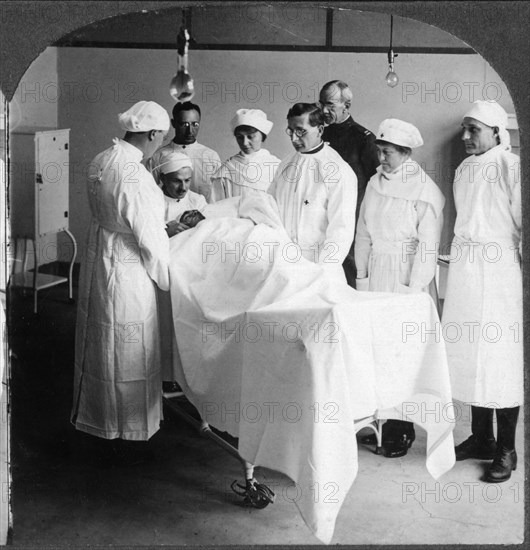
435,90
34,107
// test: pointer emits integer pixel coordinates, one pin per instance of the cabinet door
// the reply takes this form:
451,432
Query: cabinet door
51,181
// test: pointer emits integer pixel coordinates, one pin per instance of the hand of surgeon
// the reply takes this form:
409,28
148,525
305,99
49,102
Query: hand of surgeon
173,227
191,218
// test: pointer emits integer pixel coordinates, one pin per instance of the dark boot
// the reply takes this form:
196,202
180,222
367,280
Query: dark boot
506,458
481,444
392,431
403,435
501,469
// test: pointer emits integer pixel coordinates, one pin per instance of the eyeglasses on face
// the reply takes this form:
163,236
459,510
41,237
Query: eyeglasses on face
194,125
298,132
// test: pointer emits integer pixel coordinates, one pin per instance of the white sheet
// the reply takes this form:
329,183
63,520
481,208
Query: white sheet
292,399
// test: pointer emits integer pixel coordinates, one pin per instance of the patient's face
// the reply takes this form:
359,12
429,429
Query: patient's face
191,218
176,184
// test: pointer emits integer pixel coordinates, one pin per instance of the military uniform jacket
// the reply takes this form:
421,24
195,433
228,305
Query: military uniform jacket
356,145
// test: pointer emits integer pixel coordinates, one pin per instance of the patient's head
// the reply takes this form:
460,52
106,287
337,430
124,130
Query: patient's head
176,173
191,218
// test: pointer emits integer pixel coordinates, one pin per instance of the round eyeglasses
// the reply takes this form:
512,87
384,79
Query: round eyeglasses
189,124
298,133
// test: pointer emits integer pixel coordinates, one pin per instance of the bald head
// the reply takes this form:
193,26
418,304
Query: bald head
336,99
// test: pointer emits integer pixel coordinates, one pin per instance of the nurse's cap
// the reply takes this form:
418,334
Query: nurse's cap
173,161
399,132
144,116
251,117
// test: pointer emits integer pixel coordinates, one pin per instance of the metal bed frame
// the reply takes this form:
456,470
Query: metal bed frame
256,495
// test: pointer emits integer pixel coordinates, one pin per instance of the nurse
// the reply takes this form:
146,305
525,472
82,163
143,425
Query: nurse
252,169
117,383
398,234
482,317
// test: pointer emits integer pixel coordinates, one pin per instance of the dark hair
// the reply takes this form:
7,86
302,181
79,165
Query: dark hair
316,114
403,150
263,136
186,106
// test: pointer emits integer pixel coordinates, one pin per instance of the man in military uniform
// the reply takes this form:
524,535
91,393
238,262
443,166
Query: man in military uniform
354,143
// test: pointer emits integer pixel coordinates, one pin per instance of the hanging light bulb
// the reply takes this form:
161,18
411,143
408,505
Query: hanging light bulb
391,78
181,87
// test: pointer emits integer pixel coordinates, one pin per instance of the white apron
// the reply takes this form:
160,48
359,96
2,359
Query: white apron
117,384
482,319
244,174
399,228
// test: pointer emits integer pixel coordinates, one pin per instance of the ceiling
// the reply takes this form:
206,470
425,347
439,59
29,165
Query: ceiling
266,27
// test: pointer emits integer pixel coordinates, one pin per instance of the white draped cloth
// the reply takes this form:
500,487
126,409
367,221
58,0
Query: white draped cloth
117,385
278,354
244,174
482,318
399,228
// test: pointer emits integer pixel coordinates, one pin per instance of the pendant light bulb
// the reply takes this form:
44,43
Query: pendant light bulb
391,78
181,86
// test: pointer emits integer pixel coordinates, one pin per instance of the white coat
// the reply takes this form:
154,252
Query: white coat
174,208
482,318
399,228
244,174
205,163
317,196
117,383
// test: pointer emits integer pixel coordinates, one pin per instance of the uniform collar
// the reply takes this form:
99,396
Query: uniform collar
347,122
314,150
185,146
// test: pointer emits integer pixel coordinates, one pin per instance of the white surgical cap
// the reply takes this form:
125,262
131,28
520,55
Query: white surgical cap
252,117
173,161
491,114
399,132
144,116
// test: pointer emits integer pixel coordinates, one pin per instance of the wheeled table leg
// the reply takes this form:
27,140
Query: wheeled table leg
254,494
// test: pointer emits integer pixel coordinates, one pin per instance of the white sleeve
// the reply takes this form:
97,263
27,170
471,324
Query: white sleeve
514,181
220,189
342,202
211,163
363,241
151,166
426,256
145,216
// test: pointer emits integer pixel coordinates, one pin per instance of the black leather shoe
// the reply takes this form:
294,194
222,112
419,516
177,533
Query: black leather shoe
501,469
473,447
389,434
398,448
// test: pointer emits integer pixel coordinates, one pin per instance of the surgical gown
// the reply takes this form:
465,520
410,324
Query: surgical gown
117,382
483,309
